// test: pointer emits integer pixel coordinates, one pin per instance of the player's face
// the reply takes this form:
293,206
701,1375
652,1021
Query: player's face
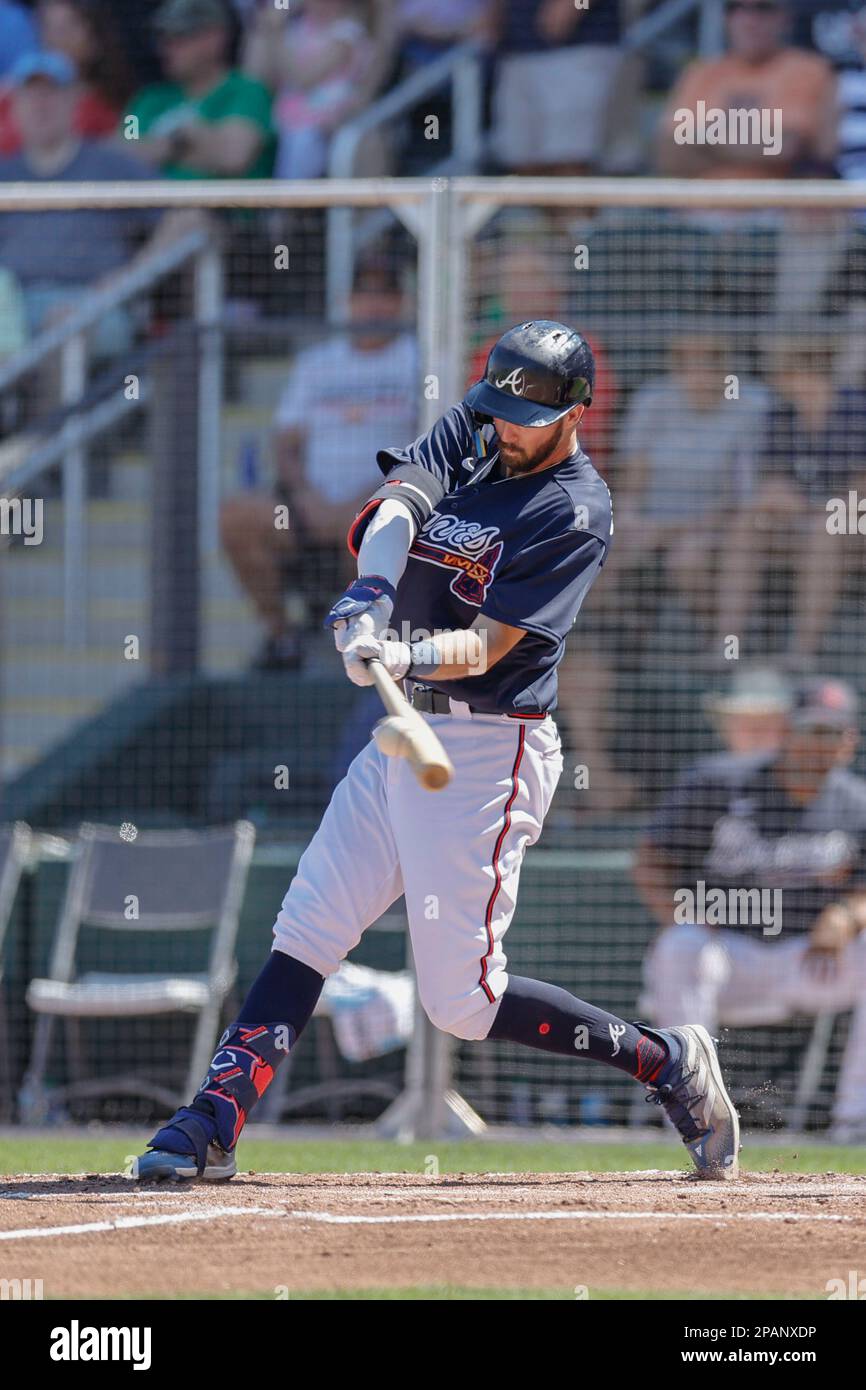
524,449
811,753
747,732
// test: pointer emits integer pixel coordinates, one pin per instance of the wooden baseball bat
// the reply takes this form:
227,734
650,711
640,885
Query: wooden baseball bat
409,736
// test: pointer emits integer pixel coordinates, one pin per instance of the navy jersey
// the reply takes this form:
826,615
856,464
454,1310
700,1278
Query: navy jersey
523,550
824,462
729,824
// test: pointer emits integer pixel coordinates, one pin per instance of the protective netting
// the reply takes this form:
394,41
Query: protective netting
729,424
730,410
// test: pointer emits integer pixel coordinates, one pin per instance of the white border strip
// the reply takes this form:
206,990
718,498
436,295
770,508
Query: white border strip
125,1223
329,1219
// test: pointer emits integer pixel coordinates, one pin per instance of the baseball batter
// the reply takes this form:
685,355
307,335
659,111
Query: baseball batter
474,557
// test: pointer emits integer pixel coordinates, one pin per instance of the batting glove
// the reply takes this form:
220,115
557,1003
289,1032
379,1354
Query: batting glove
364,610
394,656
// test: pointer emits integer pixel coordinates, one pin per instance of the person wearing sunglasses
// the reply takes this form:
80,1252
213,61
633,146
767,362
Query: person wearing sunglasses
761,72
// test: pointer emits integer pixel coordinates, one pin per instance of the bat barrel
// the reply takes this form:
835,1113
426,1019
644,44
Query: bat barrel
423,749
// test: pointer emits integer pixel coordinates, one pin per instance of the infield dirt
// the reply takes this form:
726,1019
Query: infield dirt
100,1236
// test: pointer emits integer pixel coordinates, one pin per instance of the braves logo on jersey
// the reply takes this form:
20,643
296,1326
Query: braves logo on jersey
467,547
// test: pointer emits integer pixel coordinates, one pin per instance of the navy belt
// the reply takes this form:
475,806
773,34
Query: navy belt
430,701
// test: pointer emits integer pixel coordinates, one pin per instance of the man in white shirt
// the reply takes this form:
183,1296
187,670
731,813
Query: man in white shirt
345,398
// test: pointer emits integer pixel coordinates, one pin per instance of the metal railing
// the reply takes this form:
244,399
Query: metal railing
648,28
69,447
458,70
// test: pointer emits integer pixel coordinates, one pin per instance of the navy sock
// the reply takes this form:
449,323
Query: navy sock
547,1017
285,991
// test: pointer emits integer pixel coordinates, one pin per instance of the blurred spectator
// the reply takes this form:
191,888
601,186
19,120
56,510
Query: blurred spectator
428,28
764,74
813,449
17,34
208,120
687,461
57,256
528,289
851,156
587,715
85,32
750,717
320,65
754,870
564,90
345,398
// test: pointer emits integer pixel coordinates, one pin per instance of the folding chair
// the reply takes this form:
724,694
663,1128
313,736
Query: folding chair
15,843
183,881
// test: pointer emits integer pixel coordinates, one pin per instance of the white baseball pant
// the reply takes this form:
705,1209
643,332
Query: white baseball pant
716,976
455,853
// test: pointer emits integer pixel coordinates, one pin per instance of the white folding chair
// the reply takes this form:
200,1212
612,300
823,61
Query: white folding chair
178,881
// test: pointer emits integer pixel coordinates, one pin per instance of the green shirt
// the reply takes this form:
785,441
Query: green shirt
236,95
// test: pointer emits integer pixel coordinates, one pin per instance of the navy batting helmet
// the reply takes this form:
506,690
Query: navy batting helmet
535,374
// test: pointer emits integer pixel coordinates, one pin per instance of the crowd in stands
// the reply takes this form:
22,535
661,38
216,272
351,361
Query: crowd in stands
710,499
231,88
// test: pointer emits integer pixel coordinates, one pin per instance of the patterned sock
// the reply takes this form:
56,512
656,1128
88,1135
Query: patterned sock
547,1017
247,1058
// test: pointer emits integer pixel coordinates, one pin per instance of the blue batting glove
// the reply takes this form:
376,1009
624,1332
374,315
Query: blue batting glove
365,608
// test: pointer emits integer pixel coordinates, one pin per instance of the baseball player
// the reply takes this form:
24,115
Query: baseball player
764,855
474,556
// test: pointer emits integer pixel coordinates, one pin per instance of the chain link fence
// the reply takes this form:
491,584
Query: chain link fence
162,662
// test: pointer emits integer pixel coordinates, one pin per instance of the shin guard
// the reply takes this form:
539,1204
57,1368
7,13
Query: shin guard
242,1068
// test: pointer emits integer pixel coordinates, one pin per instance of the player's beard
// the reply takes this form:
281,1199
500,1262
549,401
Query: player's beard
520,460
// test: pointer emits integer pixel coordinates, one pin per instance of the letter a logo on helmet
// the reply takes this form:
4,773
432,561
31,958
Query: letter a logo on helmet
535,374
515,382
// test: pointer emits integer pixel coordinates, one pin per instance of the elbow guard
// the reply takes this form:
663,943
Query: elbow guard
418,489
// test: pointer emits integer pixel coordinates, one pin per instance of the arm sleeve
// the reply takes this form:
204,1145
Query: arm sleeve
440,450
543,587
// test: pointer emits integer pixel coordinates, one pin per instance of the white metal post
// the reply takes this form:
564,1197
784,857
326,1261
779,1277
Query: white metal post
428,1107
73,377
208,317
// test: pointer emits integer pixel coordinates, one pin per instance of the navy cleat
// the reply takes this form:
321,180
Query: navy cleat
185,1150
199,1140
693,1094
158,1165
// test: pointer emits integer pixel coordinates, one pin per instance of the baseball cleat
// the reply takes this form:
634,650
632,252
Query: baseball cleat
157,1165
693,1094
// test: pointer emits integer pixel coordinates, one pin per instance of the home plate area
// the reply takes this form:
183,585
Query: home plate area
275,1234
